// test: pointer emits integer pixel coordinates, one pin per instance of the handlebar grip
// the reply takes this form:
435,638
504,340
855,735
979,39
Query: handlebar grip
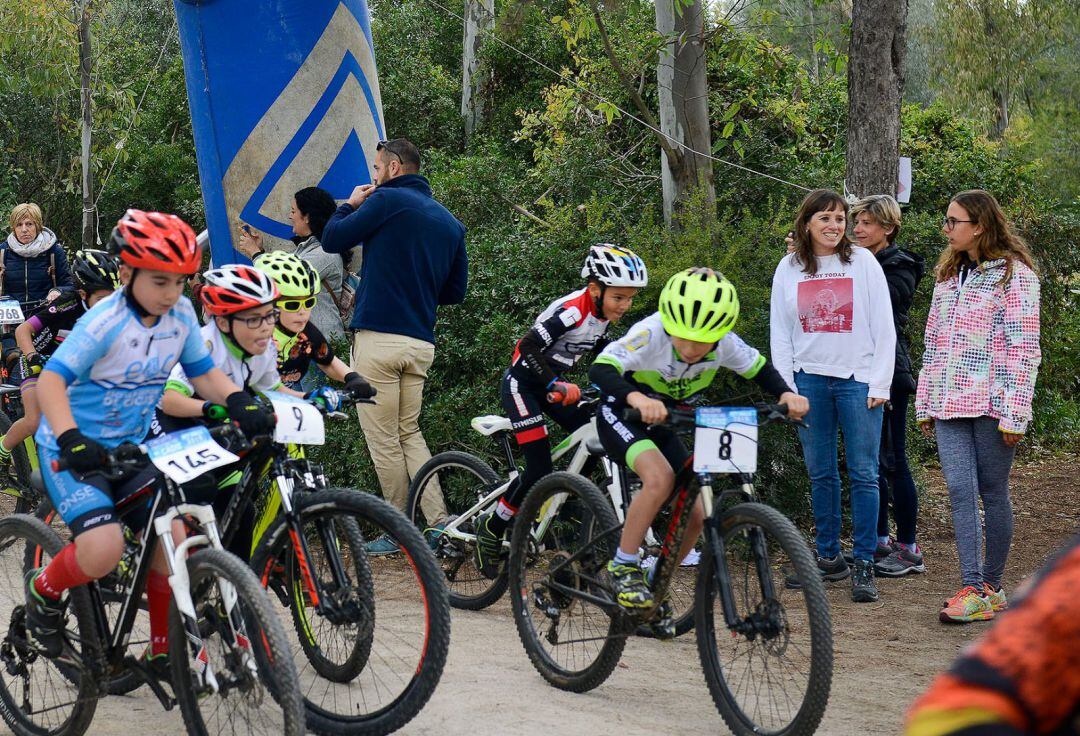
631,415
58,466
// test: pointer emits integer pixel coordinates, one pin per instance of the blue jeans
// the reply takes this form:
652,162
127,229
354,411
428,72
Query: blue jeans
840,403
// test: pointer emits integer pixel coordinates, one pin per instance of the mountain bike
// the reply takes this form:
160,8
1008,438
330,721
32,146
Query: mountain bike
359,673
471,488
24,459
228,654
766,651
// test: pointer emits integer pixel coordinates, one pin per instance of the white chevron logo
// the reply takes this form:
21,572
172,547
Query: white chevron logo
278,132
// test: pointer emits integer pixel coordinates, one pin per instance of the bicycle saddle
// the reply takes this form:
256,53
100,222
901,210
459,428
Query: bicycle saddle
593,446
490,424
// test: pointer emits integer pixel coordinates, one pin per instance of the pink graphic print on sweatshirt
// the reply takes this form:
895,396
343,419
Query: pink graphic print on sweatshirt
825,305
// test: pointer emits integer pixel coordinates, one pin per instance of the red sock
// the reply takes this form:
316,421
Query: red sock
158,595
62,573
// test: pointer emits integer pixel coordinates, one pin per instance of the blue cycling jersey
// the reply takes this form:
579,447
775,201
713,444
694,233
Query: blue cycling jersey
116,368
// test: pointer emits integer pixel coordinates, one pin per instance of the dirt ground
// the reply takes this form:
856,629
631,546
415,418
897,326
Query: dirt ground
886,653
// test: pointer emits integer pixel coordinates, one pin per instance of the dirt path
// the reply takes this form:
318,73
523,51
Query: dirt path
886,653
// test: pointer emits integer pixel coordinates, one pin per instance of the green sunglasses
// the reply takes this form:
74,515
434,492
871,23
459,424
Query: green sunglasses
295,305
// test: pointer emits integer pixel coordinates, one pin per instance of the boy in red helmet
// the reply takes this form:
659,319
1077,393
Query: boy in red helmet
98,391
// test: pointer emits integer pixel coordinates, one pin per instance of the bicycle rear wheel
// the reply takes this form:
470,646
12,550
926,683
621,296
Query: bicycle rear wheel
39,695
572,642
362,673
462,479
771,673
255,688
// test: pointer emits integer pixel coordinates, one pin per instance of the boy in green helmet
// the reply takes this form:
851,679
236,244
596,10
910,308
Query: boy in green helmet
673,354
299,341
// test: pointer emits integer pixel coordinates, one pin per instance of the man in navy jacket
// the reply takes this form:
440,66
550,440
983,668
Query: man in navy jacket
414,260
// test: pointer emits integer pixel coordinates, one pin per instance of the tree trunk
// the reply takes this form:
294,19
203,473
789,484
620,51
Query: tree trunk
89,214
684,110
811,31
1001,114
875,89
479,18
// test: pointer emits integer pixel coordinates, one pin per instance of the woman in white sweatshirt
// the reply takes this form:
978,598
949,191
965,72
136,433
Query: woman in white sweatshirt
832,337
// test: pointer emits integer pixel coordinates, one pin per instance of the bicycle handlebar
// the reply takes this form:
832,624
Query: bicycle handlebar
128,456
686,418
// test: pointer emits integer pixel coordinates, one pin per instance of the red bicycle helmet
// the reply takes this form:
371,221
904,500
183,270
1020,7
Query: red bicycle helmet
233,289
156,241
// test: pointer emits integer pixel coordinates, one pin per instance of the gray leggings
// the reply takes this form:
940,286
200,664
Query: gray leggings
976,463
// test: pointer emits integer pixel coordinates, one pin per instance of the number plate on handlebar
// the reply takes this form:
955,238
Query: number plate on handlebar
188,454
10,312
298,422
726,440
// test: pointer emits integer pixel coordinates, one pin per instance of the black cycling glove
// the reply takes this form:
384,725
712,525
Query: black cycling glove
253,418
358,387
80,453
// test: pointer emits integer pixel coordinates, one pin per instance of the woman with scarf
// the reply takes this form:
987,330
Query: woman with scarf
32,264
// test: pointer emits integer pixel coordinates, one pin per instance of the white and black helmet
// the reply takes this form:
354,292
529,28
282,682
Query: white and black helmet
614,266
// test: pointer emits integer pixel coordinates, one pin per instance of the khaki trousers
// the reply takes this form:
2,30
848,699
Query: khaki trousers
397,366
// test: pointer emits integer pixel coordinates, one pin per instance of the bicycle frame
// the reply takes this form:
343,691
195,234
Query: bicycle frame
579,463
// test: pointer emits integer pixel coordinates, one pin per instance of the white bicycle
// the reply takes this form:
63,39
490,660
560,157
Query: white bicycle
470,488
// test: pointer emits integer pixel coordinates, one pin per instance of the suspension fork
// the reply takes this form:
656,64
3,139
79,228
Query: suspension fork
284,485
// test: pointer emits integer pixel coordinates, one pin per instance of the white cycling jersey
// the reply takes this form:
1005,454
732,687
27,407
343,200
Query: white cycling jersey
257,372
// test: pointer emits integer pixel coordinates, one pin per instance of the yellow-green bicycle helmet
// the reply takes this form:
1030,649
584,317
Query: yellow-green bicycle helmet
699,304
293,276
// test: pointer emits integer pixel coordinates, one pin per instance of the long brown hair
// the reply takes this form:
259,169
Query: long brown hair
997,239
819,200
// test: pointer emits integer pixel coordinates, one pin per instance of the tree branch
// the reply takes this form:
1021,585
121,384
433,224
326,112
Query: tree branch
674,155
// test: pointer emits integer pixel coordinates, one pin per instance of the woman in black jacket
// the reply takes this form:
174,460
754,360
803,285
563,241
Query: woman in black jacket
32,261
877,223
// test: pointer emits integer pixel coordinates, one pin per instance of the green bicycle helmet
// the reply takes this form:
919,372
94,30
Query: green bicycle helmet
294,276
699,304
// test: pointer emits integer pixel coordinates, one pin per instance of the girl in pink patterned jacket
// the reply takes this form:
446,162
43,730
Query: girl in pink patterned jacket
976,387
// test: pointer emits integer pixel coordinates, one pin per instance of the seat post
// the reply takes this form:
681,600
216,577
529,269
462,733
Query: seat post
511,462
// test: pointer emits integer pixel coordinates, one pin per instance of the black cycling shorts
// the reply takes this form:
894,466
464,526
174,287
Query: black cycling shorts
624,441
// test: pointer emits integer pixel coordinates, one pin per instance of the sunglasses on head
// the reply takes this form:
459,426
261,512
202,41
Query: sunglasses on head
296,305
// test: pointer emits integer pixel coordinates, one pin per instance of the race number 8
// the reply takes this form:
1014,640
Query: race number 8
725,445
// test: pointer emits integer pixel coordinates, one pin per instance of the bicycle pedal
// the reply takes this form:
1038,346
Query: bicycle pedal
139,667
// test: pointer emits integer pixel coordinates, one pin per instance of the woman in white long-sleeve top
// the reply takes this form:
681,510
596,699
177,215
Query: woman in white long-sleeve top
832,337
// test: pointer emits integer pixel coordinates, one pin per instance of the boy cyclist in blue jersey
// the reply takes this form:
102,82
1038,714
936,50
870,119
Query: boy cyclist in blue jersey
98,391
674,355
534,386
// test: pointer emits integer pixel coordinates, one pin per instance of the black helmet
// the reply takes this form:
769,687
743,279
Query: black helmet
95,270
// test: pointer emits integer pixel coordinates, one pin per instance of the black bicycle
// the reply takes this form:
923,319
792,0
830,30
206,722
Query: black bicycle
766,651
230,664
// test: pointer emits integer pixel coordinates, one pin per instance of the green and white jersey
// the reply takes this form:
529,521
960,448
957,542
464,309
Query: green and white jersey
257,372
647,358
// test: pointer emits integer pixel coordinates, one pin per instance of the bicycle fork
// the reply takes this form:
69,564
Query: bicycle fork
714,542
180,583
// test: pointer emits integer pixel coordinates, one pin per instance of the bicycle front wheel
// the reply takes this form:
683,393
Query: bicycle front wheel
372,651
771,671
40,695
460,480
243,679
557,574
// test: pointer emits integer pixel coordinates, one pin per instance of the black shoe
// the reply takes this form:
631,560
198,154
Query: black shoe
158,666
44,618
863,588
488,552
831,570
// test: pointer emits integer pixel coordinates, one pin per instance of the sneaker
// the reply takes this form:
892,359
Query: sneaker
382,546
631,590
863,588
901,562
880,553
432,534
158,665
966,606
831,570
692,559
997,598
44,618
488,552
663,626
